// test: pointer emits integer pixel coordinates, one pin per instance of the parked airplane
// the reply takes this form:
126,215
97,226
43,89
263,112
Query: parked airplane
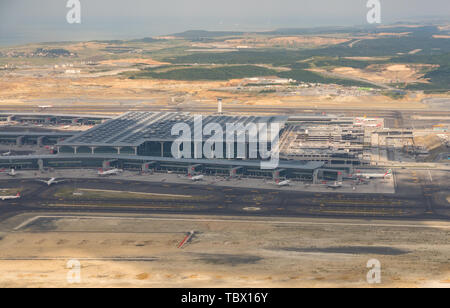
6,153
3,198
51,181
196,178
335,185
115,171
12,172
376,175
282,183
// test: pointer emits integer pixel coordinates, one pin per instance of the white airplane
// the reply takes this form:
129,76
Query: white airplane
335,185
388,174
51,181
6,153
3,198
114,171
196,178
12,172
282,183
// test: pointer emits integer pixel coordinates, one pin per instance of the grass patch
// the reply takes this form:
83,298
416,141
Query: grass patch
312,77
397,95
241,71
267,56
216,73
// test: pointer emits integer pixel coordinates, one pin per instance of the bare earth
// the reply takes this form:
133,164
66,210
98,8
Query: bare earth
386,74
244,252
21,92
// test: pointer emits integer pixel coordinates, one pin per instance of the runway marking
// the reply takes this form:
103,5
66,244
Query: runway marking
90,206
359,202
136,193
359,212
252,209
25,223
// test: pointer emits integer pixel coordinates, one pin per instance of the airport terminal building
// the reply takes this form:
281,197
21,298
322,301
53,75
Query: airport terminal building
144,140
151,134
312,147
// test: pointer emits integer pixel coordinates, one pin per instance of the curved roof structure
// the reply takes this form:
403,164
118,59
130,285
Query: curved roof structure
135,128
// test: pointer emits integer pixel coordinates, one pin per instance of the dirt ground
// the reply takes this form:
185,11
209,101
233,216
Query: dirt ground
244,252
20,92
386,74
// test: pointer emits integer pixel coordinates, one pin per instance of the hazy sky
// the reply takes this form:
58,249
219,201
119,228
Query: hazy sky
24,21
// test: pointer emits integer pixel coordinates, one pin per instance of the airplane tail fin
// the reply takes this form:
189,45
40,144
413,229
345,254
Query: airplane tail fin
18,194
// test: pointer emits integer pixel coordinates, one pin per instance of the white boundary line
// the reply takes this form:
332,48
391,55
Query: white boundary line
81,259
27,222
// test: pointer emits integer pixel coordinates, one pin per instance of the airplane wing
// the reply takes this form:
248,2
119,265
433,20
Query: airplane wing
43,181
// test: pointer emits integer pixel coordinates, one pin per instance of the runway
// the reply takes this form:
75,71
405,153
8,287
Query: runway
96,196
194,106
302,222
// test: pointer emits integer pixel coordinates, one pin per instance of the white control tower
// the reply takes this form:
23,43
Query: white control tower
219,106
